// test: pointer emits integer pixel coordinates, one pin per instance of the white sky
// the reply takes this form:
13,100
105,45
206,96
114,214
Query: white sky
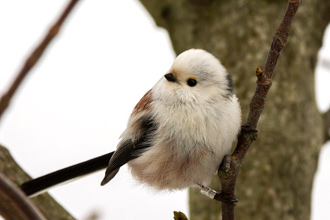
76,101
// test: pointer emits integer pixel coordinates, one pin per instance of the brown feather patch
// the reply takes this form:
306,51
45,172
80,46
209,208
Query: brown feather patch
144,104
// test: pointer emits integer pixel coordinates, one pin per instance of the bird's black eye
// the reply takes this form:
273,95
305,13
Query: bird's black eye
191,81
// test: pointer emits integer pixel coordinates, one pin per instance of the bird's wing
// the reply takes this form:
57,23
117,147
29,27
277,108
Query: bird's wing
121,156
131,149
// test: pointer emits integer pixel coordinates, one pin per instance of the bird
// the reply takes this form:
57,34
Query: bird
176,135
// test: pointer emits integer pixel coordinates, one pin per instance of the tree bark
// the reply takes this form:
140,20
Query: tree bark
45,203
326,125
276,178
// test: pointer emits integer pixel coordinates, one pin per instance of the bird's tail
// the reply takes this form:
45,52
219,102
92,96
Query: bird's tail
43,183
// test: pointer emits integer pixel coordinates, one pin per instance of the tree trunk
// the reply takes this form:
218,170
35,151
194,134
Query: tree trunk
45,203
276,178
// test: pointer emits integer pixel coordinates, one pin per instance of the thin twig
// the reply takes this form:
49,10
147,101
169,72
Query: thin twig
230,166
34,57
326,125
18,206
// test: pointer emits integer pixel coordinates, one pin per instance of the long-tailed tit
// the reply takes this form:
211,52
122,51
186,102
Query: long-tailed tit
177,134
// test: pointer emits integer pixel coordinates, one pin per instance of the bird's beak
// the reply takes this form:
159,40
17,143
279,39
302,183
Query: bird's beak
170,77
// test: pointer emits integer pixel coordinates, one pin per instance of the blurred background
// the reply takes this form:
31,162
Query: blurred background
76,101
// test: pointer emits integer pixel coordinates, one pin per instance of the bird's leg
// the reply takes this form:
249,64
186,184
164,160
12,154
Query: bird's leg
217,195
206,191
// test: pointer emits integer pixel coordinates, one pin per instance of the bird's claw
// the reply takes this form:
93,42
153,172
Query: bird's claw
220,196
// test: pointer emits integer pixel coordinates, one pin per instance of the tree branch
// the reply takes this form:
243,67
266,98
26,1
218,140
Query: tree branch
14,204
230,166
34,57
44,202
326,124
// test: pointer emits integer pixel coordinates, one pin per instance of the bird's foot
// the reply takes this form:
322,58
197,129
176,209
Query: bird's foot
220,196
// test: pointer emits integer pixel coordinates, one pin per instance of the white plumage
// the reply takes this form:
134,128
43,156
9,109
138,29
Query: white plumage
181,129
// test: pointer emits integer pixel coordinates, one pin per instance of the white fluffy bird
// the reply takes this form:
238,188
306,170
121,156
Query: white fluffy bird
182,128
177,134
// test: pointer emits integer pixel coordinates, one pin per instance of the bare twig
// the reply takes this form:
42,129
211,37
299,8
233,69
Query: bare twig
326,123
34,57
230,166
16,205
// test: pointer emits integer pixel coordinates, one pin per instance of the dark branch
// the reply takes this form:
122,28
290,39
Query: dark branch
230,166
326,125
45,203
15,205
34,57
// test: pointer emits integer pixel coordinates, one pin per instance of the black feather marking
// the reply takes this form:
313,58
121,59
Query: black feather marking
230,84
230,87
122,155
44,182
130,150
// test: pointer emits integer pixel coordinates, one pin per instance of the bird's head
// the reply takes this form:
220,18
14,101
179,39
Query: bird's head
195,76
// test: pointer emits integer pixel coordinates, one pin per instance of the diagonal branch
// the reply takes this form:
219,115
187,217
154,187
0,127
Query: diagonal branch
8,207
15,205
230,166
34,57
326,125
